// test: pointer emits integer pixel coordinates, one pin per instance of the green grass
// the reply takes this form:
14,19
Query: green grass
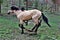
9,29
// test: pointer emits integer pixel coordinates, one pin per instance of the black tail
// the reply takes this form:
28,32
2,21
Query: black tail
45,20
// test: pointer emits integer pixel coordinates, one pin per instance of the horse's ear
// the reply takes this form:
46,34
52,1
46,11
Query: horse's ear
22,9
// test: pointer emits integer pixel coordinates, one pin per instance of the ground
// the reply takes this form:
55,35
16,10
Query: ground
9,29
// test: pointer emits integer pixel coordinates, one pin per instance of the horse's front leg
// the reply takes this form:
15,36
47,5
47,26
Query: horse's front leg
21,26
26,22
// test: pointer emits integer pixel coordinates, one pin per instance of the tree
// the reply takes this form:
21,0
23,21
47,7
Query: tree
54,1
26,4
56,7
19,3
1,1
36,4
57,4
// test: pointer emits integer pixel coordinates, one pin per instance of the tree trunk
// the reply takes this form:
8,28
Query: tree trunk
0,8
19,3
26,4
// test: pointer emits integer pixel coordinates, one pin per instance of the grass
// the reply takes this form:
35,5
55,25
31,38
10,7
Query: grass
9,29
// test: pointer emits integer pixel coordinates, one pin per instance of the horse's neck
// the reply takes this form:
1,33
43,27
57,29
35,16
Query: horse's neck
18,12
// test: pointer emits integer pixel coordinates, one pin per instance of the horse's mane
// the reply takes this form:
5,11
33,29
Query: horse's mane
17,8
14,8
22,9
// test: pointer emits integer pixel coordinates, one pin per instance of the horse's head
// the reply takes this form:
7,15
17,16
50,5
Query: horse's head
13,9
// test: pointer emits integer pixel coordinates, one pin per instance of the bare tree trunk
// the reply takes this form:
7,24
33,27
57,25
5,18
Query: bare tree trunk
12,2
0,8
19,3
26,4
36,4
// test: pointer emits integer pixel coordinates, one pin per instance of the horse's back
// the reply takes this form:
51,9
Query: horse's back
36,13
26,15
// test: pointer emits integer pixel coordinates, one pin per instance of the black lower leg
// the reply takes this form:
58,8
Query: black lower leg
34,27
21,26
26,23
38,26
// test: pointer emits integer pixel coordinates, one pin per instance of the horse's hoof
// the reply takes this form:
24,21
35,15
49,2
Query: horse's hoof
32,33
30,30
22,33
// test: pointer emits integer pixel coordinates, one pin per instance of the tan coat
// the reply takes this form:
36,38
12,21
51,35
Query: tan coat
27,15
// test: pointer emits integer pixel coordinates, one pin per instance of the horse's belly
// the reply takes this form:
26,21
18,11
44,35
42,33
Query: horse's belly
27,17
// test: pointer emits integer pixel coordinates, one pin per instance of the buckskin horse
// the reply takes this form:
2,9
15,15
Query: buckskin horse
35,15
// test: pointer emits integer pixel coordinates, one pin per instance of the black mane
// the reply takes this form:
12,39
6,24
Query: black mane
22,9
14,8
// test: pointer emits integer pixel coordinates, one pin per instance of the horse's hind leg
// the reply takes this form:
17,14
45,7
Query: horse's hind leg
39,24
36,23
33,27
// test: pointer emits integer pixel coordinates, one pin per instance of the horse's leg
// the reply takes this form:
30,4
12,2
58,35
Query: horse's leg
22,29
21,26
39,24
26,23
34,27
36,22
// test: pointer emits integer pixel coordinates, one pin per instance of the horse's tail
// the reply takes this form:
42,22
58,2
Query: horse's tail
45,20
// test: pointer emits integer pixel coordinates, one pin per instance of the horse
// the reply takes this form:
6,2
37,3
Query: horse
35,15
